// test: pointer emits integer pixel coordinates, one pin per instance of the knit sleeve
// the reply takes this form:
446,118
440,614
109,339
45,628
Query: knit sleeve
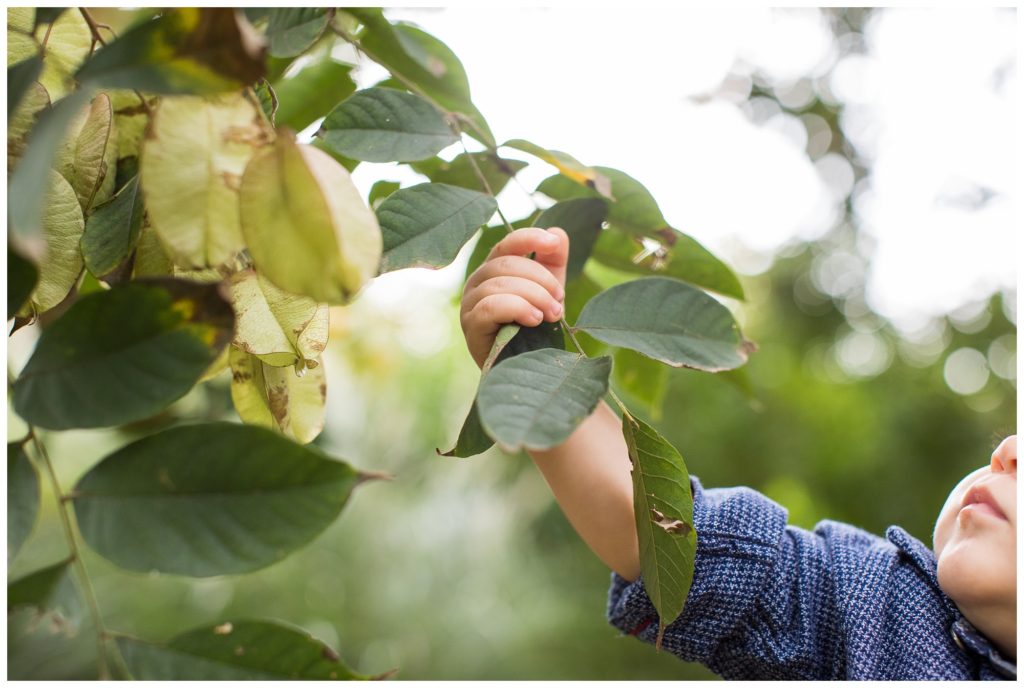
761,601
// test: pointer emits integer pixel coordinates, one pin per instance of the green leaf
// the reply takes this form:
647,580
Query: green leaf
63,225
290,400
291,30
280,328
68,41
20,78
426,225
423,60
536,399
668,320
235,651
581,218
642,378
21,281
87,157
591,178
33,104
686,259
385,125
210,499
306,96
348,163
112,230
150,258
381,190
28,183
22,497
306,224
48,15
268,100
122,355
663,506
191,166
634,211
184,50
49,590
460,171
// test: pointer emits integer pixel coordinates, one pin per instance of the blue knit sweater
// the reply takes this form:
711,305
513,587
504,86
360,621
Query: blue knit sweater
771,601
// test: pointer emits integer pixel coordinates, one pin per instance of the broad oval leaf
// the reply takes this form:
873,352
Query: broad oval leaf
238,650
536,399
306,224
293,29
668,320
63,225
663,507
68,41
306,96
22,497
209,499
184,50
112,230
270,323
426,225
87,157
281,398
191,165
386,125
123,355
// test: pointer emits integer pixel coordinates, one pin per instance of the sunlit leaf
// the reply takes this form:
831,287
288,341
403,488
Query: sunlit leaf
87,157
21,19
278,327
589,177
22,497
425,61
184,50
581,219
191,168
306,224
68,41
279,397
131,118
63,225
312,92
29,181
536,399
291,30
122,355
112,230
21,281
246,650
668,320
210,499
460,171
663,506
385,125
426,225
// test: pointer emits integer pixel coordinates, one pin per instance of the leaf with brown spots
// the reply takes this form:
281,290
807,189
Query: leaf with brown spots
278,397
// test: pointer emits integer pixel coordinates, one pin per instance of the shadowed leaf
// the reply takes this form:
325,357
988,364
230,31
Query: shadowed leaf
112,231
291,30
22,497
306,96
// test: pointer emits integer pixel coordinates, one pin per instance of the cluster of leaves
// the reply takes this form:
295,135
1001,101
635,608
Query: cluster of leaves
165,224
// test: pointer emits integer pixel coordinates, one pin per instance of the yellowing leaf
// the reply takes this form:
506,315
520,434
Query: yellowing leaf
278,397
190,167
67,45
306,224
20,43
35,100
130,120
87,157
278,327
63,225
567,165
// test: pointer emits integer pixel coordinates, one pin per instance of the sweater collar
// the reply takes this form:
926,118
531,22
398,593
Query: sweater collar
966,636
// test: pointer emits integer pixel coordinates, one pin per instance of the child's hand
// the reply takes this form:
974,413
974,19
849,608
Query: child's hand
509,287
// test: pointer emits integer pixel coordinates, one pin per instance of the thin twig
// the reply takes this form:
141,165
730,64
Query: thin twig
94,29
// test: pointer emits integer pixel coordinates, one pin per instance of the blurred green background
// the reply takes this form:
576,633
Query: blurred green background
466,568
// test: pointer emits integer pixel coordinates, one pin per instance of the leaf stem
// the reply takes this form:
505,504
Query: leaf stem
94,28
83,574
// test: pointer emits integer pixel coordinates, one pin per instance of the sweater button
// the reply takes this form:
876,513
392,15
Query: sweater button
956,639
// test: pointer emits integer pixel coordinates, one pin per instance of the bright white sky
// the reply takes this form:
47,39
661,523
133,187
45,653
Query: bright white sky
931,105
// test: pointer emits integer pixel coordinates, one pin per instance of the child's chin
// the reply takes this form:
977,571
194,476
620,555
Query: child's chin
971,573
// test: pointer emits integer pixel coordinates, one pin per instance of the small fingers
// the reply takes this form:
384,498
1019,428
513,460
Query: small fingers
526,240
494,310
538,296
517,266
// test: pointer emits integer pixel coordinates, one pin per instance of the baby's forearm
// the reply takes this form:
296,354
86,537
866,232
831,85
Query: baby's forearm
589,475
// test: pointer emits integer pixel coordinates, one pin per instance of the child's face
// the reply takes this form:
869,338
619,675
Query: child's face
976,535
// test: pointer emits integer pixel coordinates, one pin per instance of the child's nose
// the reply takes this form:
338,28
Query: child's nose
1004,458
